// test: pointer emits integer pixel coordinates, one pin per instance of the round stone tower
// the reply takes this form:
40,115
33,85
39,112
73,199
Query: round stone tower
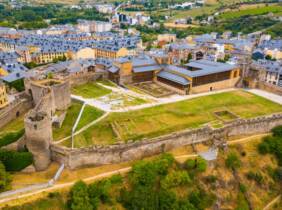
38,132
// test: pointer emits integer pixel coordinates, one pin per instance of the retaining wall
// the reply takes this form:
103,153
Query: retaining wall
100,155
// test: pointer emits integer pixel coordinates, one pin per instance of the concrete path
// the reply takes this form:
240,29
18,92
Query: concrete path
155,101
270,96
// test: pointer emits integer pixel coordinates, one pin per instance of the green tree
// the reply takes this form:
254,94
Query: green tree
175,178
79,197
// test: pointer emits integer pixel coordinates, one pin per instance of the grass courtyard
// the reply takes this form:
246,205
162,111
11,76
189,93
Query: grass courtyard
90,90
89,114
164,119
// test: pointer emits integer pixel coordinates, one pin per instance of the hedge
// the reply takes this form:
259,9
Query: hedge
11,137
15,161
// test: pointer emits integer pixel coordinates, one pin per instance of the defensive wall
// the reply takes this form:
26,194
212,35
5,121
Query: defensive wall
122,152
15,109
80,79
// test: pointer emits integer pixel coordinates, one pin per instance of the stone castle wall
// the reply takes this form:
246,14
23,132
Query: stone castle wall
99,155
85,78
14,110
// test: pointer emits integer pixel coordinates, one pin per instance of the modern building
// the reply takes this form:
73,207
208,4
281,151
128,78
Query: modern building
194,77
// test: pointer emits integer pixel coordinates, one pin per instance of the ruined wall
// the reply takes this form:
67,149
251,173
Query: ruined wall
269,88
59,91
61,94
99,155
14,110
81,79
38,133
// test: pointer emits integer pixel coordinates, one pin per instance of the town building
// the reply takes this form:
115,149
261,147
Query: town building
3,95
93,26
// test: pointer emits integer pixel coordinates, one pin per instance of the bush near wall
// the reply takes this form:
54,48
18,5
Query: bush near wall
15,161
11,137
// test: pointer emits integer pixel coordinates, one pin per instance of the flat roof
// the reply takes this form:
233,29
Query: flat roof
204,67
146,68
173,77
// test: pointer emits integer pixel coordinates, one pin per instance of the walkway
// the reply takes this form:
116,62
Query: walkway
270,96
155,101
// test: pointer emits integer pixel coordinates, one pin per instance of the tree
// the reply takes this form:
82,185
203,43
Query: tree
5,178
232,161
175,178
79,198
277,131
201,164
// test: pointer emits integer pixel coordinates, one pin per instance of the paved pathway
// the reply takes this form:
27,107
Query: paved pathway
270,96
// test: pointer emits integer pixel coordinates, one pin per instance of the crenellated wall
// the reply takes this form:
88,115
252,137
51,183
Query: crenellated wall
100,155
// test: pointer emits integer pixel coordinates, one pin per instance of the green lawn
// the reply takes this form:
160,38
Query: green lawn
90,90
252,12
14,126
160,120
89,114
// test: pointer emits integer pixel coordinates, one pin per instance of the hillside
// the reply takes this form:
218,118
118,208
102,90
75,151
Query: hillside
241,178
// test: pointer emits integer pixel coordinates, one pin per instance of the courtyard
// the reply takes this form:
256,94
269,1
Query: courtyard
153,89
167,118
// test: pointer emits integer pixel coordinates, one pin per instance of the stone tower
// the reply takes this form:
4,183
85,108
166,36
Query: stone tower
38,131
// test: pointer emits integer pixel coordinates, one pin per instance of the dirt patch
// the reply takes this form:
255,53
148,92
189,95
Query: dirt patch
153,89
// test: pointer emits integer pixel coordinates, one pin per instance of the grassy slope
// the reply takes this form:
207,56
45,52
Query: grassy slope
251,12
13,126
159,120
89,114
90,90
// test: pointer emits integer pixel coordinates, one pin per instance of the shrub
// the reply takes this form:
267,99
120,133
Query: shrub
190,164
79,198
11,138
201,199
277,131
175,179
210,179
272,145
232,161
242,188
101,191
256,176
199,164
278,174
5,179
15,161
